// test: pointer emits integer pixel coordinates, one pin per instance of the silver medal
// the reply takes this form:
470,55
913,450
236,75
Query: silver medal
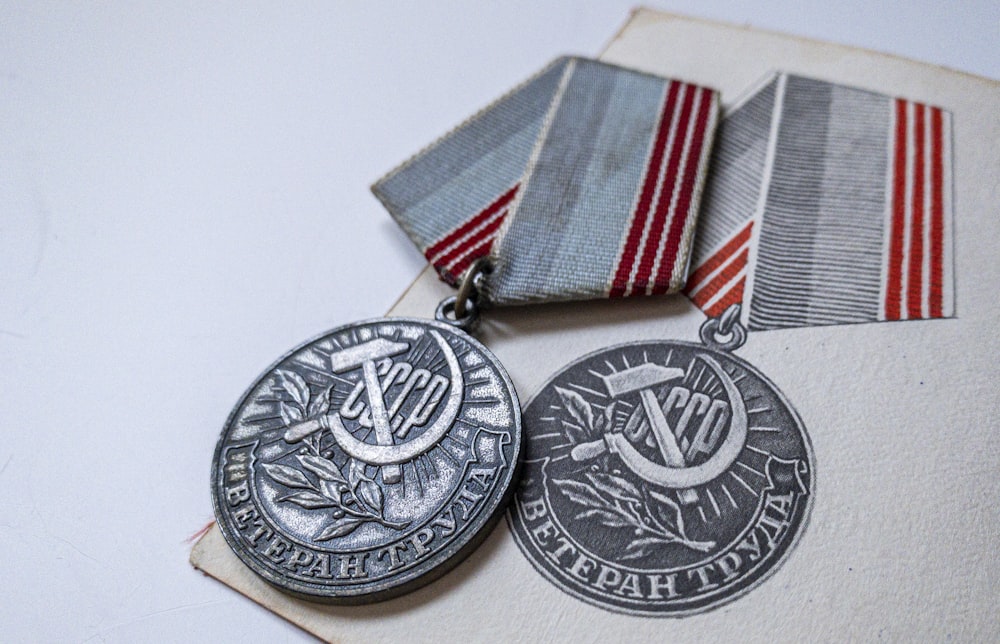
369,461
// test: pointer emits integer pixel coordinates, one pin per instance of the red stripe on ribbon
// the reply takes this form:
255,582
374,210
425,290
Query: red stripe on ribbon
460,252
465,244
470,224
915,287
703,296
477,252
720,257
894,274
937,214
625,262
670,178
662,280
734,296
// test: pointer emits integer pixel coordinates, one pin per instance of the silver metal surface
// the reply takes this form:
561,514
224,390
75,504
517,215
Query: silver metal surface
471,286
662,478
447,313
369,461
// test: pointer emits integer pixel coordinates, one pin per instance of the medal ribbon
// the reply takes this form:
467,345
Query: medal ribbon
826,204
581,183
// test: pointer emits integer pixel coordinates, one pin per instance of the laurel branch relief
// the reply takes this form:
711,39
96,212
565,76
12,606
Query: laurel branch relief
318,482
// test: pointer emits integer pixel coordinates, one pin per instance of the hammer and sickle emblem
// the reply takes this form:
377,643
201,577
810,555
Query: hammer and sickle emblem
675,473
386,453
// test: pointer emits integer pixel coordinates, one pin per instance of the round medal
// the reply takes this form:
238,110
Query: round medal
661,478
369,461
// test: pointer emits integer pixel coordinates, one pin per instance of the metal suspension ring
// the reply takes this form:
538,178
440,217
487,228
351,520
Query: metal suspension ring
447,312
472,281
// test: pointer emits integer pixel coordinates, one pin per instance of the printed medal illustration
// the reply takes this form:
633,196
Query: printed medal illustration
662,478
369,461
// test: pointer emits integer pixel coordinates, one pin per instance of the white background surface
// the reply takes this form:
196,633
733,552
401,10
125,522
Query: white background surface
184,197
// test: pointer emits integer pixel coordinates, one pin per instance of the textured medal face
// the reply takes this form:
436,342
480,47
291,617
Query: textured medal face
661,478
369,461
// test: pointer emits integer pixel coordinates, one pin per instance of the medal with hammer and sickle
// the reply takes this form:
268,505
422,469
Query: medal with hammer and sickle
376,457
386,418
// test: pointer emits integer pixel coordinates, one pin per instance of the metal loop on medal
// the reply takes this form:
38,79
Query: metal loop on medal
468,290
447,312
725,332
462,309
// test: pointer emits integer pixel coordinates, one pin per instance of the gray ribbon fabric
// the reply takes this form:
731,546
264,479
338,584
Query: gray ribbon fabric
581,183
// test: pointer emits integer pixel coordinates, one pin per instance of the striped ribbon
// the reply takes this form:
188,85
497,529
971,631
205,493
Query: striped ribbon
582,183
826,204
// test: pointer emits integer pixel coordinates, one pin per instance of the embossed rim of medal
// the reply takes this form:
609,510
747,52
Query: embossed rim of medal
512,520
440,562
